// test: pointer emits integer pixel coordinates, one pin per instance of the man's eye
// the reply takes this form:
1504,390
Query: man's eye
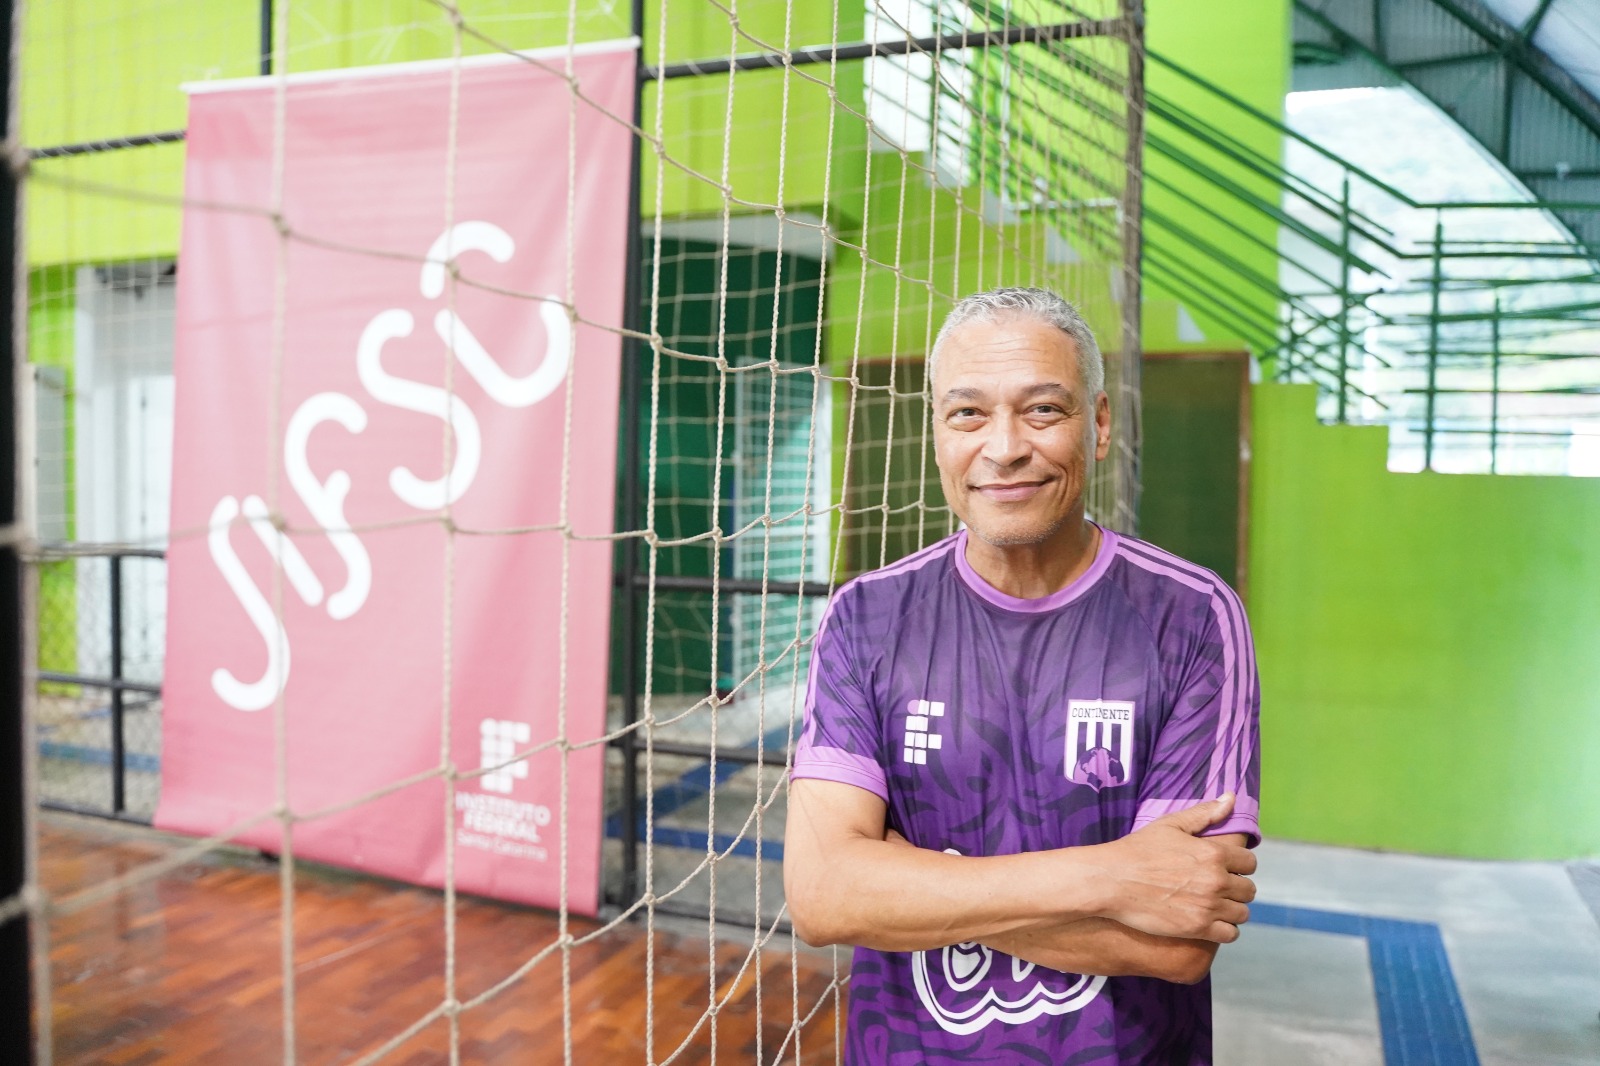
962,413
1046,409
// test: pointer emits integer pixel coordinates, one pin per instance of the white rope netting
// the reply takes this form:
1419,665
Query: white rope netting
803,226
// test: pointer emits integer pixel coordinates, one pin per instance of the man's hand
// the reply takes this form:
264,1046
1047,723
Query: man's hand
1167,881
1104,946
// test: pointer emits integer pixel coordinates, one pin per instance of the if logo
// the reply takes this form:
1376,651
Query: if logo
498,741
920,735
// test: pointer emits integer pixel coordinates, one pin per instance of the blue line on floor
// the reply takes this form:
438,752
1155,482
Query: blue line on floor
1421,1019
138,762
694,784
1420,1014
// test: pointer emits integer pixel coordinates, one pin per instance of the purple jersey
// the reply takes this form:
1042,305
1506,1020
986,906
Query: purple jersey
992,725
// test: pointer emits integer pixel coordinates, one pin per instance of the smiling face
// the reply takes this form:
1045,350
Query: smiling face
1015,432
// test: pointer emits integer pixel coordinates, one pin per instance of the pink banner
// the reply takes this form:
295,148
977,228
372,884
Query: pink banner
341,381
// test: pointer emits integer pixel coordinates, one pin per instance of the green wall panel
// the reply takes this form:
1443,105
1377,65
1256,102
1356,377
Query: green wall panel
1427,645
50,343
100,69
1242,47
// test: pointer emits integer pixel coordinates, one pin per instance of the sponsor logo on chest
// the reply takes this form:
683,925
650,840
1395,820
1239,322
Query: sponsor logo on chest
1100,742
922,730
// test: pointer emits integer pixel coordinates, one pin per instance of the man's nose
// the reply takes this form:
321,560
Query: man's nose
1006,444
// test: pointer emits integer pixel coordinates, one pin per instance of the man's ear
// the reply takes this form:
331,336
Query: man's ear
1102,426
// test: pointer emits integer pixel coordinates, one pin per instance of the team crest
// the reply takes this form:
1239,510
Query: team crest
1100,742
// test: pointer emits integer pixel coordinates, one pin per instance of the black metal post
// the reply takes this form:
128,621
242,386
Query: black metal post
1344,298
16,986
1436,285
630,512
1129,407
939,42
1494,389
798,57
119,793
266,37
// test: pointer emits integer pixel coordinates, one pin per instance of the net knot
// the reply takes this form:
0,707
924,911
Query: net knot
18,158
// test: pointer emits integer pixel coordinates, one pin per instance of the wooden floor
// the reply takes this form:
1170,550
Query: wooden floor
187,968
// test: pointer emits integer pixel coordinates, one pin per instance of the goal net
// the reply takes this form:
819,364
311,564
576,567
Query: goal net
809,189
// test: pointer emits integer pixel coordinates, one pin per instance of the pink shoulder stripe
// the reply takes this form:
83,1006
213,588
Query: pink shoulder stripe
914,561
835,764
1238,658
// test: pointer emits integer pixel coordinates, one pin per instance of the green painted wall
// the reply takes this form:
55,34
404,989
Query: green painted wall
1428,648
95,69
1241,46
50,343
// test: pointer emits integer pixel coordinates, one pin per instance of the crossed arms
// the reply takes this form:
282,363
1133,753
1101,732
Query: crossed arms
1155,903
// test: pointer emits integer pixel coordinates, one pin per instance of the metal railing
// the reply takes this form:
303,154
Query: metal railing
1468,328
84,747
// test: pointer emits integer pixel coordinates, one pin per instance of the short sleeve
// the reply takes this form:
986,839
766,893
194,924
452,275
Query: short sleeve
1210,742
840,740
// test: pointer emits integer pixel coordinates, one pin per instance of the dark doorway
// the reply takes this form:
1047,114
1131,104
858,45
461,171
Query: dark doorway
1195,458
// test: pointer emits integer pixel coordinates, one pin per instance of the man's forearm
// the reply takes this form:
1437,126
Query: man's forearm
1102,946
846,884
891,896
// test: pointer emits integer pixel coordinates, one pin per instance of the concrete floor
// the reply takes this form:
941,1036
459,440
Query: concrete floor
1521,947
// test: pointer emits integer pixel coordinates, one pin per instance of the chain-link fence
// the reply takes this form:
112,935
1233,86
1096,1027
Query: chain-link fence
102,617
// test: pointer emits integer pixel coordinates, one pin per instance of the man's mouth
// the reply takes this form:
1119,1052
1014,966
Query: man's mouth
1010,491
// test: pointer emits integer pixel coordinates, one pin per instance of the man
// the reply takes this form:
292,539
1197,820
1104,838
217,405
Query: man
1027,779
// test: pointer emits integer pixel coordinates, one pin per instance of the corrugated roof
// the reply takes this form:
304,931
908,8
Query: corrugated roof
1522,77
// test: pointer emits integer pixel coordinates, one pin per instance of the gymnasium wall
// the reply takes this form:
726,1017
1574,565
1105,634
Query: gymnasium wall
1428,647
1193,229
96,69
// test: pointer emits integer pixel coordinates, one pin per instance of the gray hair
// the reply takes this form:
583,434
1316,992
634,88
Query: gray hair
1042,305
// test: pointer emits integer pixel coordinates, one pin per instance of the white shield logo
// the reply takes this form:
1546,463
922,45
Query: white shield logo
1100,742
